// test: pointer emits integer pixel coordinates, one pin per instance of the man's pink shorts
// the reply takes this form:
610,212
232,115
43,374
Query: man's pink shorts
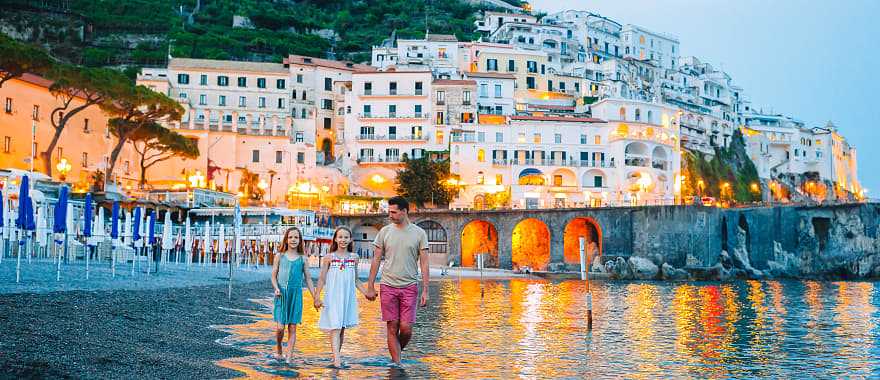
399,304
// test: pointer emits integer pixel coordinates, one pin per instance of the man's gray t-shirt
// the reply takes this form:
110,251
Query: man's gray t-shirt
401,247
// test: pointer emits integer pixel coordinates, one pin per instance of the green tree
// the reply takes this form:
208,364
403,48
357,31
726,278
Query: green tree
90,86
249,185
155,143
18,58
134,108
423,180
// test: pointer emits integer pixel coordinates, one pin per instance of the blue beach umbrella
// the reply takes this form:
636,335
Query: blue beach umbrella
31,220
59,222
2,213
152,231
114,221
136,230
23,203
87,216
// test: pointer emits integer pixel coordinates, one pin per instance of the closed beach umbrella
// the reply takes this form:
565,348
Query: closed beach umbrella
206,241
221,245
98,230
136,228
167,238
114,222
187,241
87,216
152,232
127,230
23,203
42,227
71,227
59,225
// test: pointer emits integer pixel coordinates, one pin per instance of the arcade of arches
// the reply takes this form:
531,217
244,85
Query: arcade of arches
531,245
479,237
574,230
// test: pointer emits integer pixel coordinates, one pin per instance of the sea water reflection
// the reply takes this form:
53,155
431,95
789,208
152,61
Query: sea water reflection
536,328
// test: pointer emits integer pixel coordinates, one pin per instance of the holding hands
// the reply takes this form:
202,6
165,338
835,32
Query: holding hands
370,293
318,303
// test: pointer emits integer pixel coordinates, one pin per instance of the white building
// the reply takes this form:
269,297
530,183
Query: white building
643,44
491,21
494,92
389,119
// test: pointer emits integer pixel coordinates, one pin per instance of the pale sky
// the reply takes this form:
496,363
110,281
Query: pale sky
813,60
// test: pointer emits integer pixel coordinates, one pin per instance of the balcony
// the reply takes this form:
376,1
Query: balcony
390,93
379,160
639,161
393,116
394,137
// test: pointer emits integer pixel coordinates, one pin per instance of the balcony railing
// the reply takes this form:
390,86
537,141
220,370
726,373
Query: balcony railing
394,115
551,162
393,93
395,137
378,159
637,161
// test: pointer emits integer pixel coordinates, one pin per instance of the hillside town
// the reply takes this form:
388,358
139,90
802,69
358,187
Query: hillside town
570,110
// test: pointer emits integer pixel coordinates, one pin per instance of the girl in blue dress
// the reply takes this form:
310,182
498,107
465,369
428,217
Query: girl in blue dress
339,278
288,271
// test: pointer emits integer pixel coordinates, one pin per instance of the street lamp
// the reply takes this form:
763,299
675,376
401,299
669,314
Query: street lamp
197,179
63,167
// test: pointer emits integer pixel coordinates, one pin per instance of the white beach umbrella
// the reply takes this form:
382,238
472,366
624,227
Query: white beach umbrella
187,242
221,244
42,230
71,230
98,232
206,243
126,229
167,238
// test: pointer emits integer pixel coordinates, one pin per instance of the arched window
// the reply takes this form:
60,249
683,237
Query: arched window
650,117
481,155
622,113
638,114
481,179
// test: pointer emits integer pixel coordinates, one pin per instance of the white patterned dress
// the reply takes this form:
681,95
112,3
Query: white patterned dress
340,295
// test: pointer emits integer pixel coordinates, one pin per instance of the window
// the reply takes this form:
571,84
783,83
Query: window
368,88
638,114
583,139
7,144
221,100
499,110
305,113
328,84
481,137
86,128
530,83
126,166
418,88
392,132
511,65
416,132
418,110
562,86
85,159
549,85
536,138
300,157
203,80
557,180
327,123
227,118
242,101
484,90
499,137
262,102
36,114
183,95
392,88
183,78
492,64
597,140
242,82
367,110
597,181
481,155
280,84
557,138
280,103
439,137
532,66
441,97
261,82
203,100
467,117
441,119
298,137
279,156
222,80
299,78
255,155
392,154
481,179
497,90
466,98
542,69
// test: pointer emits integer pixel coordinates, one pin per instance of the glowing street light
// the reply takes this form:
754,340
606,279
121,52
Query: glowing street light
63,167
197,179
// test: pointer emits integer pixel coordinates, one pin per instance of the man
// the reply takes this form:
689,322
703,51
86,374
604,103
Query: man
405,248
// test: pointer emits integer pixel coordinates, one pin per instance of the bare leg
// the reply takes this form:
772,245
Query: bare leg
291,340
279,337
336,346
404,335
393,328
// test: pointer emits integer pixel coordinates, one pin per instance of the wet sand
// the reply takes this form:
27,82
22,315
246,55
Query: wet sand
129,334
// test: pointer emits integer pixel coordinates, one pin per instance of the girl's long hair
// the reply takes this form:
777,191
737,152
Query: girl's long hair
334,246
284,245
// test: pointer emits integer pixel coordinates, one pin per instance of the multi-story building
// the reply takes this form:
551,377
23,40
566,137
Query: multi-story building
494,92
454,103
389,121
241,112
436,52
85,143
643,44
491,21
554,161
314,102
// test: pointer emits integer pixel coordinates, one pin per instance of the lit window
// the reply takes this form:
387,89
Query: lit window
481,155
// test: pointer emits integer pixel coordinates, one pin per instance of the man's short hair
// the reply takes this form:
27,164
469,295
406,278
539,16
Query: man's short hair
400,202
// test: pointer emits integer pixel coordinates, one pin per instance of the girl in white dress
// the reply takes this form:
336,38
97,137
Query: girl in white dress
339,276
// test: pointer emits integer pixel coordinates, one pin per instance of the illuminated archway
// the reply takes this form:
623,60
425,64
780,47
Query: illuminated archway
531,176
531,245
479,237
587,228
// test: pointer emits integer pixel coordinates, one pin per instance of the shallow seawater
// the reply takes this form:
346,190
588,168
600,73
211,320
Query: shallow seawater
538,329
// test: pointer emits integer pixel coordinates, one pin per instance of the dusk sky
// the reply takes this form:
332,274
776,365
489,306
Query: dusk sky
812,60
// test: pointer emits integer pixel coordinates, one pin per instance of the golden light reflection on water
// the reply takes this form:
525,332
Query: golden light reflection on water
537,329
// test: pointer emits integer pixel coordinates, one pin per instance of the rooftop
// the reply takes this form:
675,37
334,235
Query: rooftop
558,118
441,38
490,75
339,65
454,82
219,65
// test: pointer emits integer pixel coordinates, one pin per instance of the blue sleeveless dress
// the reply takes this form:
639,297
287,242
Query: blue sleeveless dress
288,307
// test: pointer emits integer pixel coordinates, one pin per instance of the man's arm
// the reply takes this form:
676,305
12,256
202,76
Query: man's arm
374,268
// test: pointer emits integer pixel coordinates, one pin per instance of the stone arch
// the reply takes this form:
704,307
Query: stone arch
589,229
637,148
530,243
437,238
531,176
479,236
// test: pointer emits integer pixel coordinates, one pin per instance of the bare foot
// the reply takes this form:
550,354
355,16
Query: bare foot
337,363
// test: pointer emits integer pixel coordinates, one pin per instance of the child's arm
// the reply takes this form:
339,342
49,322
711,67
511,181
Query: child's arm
322,278
357,284
275,275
